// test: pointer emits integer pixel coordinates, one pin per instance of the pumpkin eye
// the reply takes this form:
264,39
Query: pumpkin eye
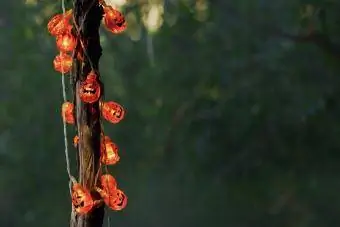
120,22
118,113
120,201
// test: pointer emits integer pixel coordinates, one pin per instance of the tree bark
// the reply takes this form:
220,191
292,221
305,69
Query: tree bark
87,18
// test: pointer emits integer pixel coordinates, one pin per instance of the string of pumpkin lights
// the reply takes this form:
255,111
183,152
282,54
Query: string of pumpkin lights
66,34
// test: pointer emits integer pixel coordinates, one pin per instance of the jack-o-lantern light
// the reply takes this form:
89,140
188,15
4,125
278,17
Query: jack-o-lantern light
67,112
90,89
108,182
59,23
66,42
114,20
118,200
109,152
112,112
115,199
63,63
81,199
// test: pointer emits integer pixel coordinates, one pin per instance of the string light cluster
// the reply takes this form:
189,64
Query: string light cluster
66,35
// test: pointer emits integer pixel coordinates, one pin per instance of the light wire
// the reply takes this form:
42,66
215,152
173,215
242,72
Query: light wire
67,158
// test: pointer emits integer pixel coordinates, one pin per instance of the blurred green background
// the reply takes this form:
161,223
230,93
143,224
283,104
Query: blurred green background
229,124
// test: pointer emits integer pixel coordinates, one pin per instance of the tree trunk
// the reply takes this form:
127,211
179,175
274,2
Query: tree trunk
87,17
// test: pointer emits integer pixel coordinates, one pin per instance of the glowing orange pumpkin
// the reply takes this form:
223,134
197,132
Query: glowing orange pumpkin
112,112
114,20
59,23
109,152
90,89
81,199
118,200
108,182
66,42
63,63
115,199
67,112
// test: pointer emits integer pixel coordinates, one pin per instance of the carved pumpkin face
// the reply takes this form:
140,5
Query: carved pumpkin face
117,200
112,112
81,199
67,112
114,20
90,89
109,152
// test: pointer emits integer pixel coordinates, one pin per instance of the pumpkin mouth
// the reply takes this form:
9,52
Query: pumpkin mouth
89,90
120,203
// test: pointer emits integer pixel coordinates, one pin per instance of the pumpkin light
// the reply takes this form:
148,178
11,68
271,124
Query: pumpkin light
59,23
109,152
90,89
67,112
81,199
118,200
66,42
62,63
114,20
115,199
112,112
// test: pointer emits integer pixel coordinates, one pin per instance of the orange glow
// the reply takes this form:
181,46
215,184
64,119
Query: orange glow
59,23
62,63
67,112
118,200
75,141
114,20
66,42
109,153
115,199
108,182
90,89
81,199
112,112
